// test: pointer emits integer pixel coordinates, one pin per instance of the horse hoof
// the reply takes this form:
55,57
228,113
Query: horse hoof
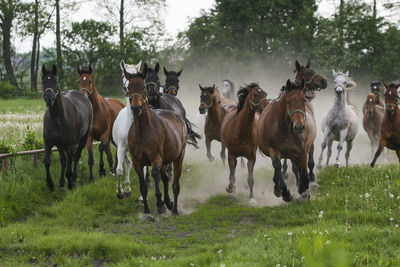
287,197
120,195
303,197
230,189
277,192
161,209
102,172
61,189
372,165
312,177
112,172
148,216
127,193
336,165
253,201
50,187
175,213
169,204
211,158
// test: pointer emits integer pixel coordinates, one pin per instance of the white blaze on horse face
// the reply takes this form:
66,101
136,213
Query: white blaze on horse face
84,78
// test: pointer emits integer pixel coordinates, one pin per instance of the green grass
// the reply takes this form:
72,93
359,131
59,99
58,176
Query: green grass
91,226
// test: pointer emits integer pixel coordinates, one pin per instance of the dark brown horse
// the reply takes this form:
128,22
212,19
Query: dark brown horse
172,82
215,114
156,138
286,129
239,133
390,134
105,111
66,125
372,120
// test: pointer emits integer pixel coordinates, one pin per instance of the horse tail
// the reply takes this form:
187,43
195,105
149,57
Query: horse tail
192,135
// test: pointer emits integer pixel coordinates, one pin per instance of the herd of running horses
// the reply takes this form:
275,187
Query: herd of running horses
154,127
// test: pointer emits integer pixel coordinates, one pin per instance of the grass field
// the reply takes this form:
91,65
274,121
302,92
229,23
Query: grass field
352,220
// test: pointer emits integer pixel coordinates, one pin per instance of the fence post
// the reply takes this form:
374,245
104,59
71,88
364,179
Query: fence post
4,166
35,159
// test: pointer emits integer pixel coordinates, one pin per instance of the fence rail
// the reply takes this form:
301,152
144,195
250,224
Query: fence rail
34,153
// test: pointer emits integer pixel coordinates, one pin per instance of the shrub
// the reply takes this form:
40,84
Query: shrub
30,141
4,148
6,89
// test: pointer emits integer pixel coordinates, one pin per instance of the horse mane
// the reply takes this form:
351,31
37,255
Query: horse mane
217,94
242,95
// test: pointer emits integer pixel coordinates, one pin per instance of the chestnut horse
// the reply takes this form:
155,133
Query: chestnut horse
105,111
239,133
372,120
287,129
215,114
157,137
172,82
66,125
390,134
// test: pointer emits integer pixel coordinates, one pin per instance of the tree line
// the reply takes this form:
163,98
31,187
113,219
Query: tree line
356,38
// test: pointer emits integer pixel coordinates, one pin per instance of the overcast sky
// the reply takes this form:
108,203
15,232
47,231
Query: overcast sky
177,17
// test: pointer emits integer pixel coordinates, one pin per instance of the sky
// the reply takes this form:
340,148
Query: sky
177,17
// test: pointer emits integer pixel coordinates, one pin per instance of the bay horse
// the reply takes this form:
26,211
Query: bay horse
312,82
157,137
66,125
390,135
287,129
216,112
340,124
166,101
120,130
105,110
239,133
372,119
172,81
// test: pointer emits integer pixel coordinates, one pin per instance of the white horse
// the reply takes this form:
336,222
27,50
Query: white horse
120,130
340,124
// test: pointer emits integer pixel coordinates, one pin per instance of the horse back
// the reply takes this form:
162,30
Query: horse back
171,102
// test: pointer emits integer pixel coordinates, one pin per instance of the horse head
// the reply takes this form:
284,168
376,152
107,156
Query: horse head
86,83
152,81
136,91
372,101
227,89
375,87
257,97
130,68
340,83
51,90
312,81
296,105
207,97
391,97
172,81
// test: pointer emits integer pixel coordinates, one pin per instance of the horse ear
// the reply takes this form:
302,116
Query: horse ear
54,69
127,75
308,63
297,66
145,69
44,71
122,64
288,84
179,72
384,84
165,71
90,69
334,73
138,66
213,89
157,68
201,88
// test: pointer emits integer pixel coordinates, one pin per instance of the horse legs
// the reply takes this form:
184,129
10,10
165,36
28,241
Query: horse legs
284,169
296,171
165,179
348,148
102,147
280,188
343,134
70,155
311,163
127,189
398,154
232,166
148,177
143,186
89,147
382,144
175,185
329,154
208,146
63,163
304,179
155,172
47,162
109,158
121,152
323,146
250,179
222,154
77,156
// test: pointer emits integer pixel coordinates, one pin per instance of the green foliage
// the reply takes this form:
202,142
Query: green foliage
4,148
6,89
30,141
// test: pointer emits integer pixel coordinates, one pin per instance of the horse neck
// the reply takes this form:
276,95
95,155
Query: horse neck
57,109
246,117
341,102
143,122
347,97
282,117
215,113
156,102
97,99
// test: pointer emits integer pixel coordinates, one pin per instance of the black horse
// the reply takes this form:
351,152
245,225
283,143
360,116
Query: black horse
66,125
166,101
171,82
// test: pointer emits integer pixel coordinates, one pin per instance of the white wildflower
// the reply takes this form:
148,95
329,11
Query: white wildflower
367,195
391,195
290,234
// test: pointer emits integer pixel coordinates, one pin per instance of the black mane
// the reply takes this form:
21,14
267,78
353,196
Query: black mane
242,94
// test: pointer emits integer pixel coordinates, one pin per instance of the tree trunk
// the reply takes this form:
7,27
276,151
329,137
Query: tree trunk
121,28
34,44
6,24
37,59
58,43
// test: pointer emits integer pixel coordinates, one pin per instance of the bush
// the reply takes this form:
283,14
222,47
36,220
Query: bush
4,148
30,141
6,89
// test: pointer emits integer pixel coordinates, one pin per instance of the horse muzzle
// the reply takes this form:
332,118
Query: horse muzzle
298,129
49,99
137,110
339,90
202,110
